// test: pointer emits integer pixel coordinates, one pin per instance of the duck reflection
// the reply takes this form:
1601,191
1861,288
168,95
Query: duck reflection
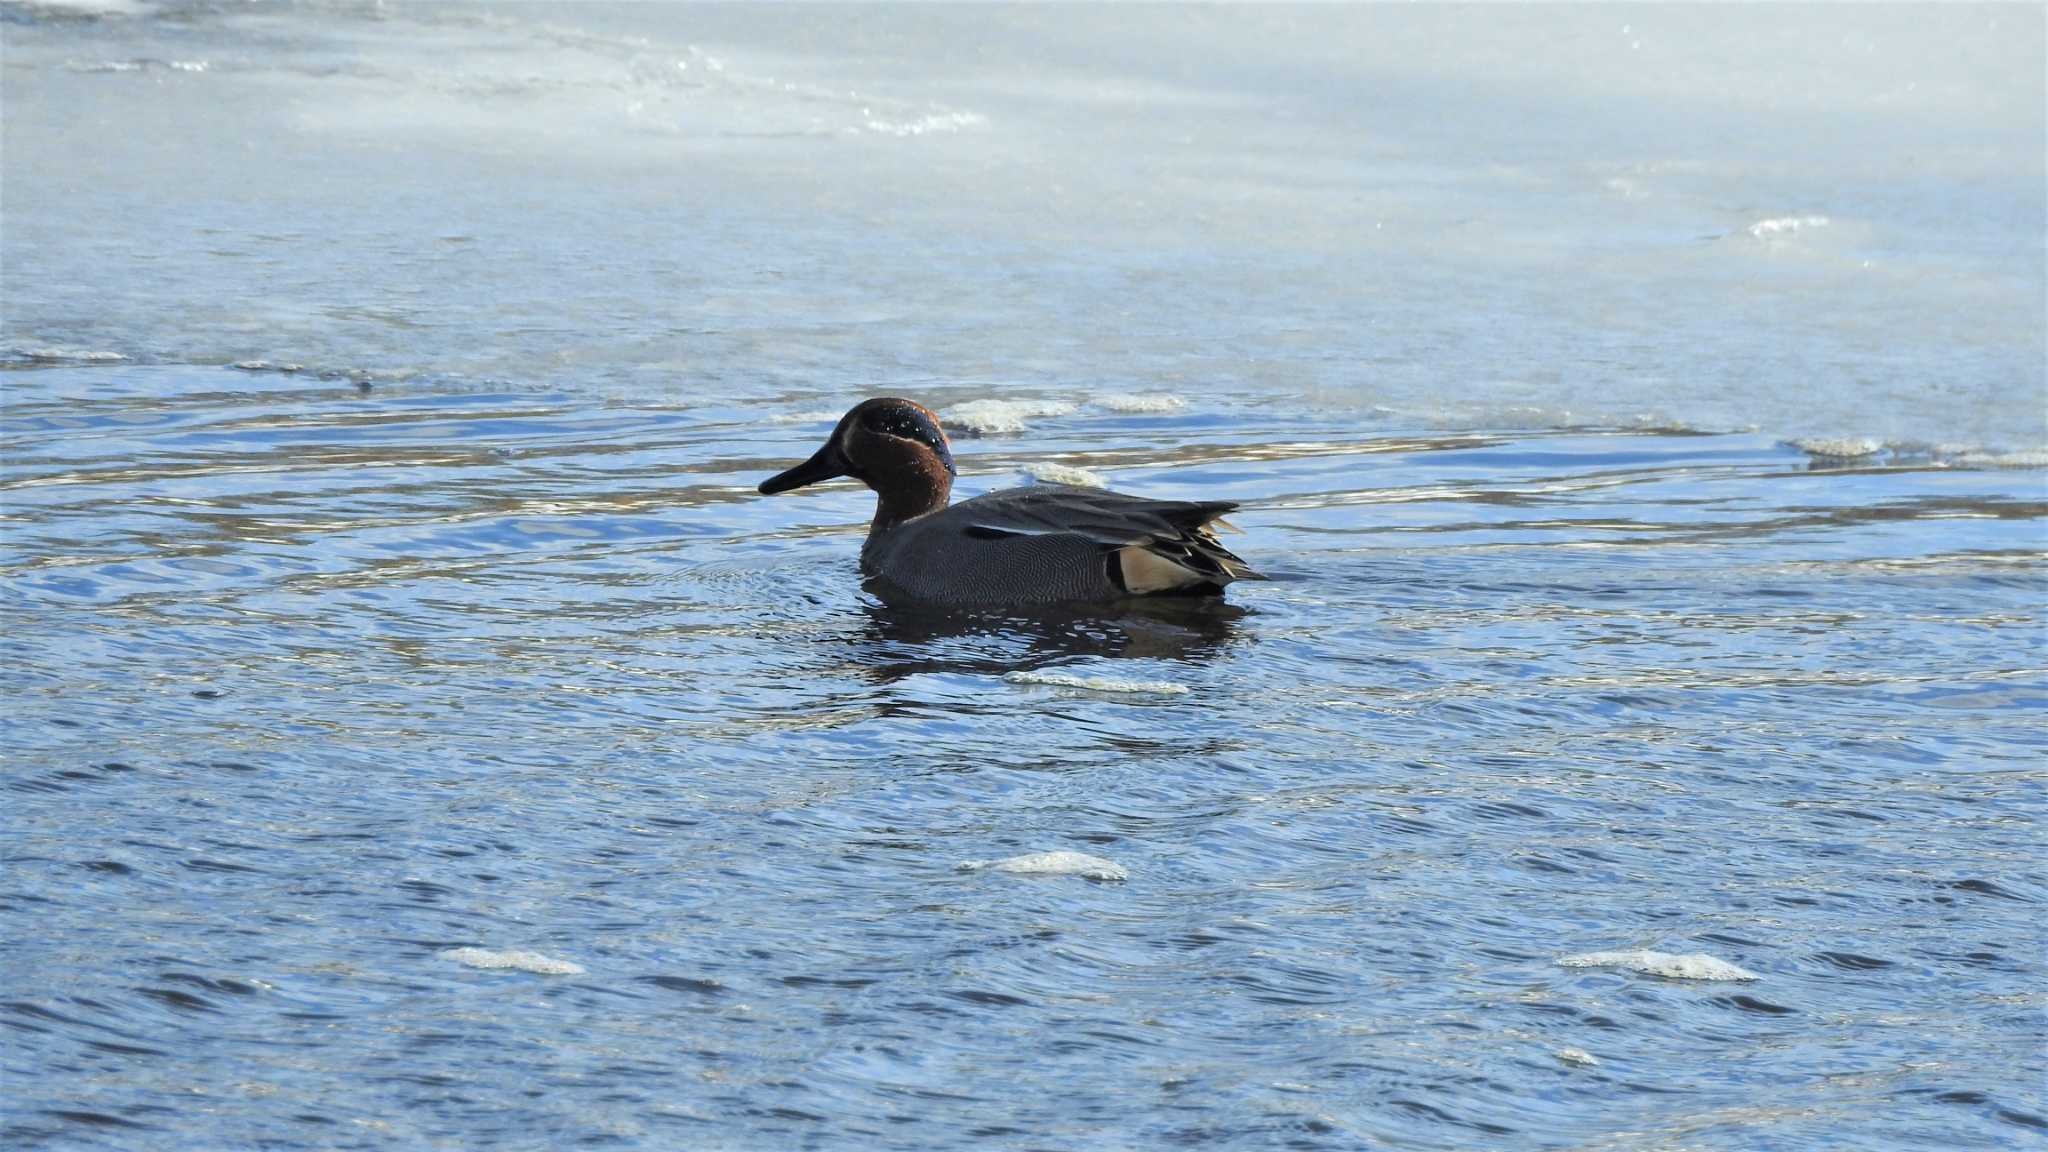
893,641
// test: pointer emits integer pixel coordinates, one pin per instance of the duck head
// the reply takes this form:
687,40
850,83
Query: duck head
894,447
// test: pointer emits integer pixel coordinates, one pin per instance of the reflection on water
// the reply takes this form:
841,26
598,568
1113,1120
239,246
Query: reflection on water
895,641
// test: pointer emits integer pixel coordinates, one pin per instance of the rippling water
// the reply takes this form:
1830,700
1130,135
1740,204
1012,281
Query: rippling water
422,735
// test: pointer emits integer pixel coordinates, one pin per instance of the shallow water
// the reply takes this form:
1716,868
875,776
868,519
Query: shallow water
439,744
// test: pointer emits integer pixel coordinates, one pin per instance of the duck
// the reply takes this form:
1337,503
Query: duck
1039,544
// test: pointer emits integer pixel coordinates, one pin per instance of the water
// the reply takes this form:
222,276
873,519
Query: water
421,735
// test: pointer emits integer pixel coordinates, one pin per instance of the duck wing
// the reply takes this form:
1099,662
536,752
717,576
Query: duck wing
1160,545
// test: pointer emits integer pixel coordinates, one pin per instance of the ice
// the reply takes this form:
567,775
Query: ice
1671,965
1839,447
993,417
1049,472
1785,226
1139,402
1056,863
512,958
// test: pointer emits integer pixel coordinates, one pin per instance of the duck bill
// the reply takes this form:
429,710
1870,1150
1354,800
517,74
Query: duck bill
824,464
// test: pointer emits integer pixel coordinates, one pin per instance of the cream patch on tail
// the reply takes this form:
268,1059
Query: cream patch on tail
1146,571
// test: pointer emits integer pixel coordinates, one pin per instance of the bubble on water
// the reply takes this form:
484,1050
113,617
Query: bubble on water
1056,863
1671,965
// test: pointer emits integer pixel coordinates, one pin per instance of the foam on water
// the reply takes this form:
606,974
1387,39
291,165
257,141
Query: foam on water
1097,683
1052,472
1055,863
1671,965
512,958
1576,1056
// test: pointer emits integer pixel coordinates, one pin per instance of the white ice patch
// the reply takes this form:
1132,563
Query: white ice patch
1139,402
1047,472
1785,226
523,961
62,354
2034,459
1839,447
1060,863
923,125
90,8
1671,965
1098,683
992,417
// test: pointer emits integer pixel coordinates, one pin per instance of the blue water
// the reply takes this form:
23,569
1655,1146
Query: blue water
384,578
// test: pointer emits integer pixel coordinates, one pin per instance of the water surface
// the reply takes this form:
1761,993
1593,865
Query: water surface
1652,568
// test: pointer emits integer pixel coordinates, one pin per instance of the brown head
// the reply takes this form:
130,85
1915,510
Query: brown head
894,447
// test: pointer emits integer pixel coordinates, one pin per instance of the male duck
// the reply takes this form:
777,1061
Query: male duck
1040,544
